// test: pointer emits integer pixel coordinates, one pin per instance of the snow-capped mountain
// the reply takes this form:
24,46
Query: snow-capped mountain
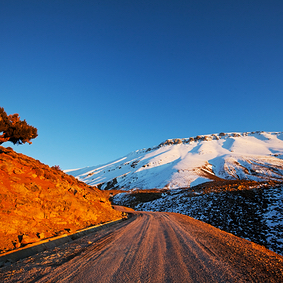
246,209
181,163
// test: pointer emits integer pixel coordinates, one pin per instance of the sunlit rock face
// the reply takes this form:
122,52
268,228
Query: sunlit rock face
38,202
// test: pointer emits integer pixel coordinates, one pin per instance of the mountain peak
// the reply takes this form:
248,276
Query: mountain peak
183,163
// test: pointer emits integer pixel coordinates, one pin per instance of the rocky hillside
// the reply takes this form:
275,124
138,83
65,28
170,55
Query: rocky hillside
38,202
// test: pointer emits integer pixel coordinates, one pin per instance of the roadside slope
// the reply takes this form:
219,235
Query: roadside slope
38,202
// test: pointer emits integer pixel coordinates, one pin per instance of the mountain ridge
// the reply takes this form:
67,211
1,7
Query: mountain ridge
177,163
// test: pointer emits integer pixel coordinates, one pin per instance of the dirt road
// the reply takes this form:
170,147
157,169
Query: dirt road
160,247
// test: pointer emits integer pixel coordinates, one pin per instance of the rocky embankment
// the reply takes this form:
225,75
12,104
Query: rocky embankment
38,202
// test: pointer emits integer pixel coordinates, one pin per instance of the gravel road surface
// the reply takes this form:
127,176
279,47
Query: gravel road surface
152,247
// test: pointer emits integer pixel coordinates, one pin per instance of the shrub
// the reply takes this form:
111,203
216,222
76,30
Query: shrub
56,167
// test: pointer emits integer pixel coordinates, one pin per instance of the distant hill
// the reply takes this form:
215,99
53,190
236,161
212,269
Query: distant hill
183,163
38,202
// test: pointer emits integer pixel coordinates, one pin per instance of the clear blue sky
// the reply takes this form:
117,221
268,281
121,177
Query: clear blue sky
100,79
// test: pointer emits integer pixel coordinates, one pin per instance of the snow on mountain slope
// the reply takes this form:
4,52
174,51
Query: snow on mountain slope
180,163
